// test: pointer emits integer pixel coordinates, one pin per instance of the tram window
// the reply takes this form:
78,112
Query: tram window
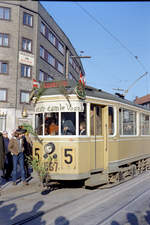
145,124
96,113
82,122
51,124
127,122
98,120
39,123
111,120
68,123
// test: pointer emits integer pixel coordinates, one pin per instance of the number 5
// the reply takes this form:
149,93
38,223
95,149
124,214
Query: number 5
68,155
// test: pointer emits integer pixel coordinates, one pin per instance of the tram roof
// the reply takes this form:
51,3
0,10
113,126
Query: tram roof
69,88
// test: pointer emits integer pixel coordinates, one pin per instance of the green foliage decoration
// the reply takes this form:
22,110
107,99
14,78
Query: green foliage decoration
36,93
30,130
80,91
41,167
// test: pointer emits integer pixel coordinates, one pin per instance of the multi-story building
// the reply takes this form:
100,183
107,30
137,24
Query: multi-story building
144,100
32,46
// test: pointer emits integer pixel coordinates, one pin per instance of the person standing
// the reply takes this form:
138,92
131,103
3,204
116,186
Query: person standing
27,153
8,166
16,147
2,156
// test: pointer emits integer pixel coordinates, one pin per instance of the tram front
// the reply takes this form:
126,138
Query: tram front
61,126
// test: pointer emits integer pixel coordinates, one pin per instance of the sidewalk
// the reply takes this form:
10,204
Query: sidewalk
20,203
7,187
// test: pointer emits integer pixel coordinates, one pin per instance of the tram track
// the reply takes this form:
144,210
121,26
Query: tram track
20,196
26,220
92,203
121,208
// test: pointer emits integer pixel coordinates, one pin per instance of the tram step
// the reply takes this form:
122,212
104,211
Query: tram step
96,179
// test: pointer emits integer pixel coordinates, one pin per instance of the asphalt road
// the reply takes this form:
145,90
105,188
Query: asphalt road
125,204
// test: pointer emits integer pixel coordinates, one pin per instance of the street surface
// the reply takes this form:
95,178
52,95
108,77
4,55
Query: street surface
125,204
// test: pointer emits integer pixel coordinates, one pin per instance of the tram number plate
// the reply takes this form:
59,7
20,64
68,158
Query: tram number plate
53,166
68,155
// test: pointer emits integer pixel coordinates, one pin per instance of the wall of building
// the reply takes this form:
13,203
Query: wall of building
12,108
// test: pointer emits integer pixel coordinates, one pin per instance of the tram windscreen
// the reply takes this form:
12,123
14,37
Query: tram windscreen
68,123
39,123
51,124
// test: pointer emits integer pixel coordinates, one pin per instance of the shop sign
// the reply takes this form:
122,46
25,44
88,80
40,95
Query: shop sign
59,107
26,58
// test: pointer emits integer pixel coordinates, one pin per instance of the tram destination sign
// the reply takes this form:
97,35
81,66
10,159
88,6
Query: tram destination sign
59,107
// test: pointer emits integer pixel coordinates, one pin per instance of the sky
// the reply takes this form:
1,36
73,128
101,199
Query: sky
117,37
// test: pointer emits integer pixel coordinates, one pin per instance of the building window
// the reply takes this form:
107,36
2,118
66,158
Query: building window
4,41
42,52
3,95
25,71
60,47
43,28
51,38
4,13
44,76
3,67
127,122
24,97
71,77
26,45
77,69
41,76
27,19
60,67
51,59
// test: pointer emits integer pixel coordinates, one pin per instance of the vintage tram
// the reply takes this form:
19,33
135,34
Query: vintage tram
98,138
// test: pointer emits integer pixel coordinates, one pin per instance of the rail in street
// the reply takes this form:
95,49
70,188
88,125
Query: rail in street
124,204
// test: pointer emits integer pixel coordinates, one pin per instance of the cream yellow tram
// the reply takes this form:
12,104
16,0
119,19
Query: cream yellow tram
100,139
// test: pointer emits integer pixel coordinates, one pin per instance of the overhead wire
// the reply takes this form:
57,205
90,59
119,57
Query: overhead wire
113,36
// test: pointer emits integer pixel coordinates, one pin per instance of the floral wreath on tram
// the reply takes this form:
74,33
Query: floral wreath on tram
80,88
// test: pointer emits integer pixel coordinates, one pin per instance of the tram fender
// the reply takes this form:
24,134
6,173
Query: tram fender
97,179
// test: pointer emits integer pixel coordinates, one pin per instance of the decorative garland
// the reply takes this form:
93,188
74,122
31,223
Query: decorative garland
36,93
80,90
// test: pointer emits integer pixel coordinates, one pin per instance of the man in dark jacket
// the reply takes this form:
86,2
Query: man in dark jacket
2,155
8,160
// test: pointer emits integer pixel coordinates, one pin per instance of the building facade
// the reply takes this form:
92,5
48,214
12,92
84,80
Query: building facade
144,100
32,46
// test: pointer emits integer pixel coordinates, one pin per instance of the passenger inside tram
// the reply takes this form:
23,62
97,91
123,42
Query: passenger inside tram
68,123
51,123
83,128
53,128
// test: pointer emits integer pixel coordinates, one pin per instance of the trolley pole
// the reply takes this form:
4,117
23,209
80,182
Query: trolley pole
67,62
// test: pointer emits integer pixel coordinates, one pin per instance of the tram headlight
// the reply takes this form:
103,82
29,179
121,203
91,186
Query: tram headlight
49,148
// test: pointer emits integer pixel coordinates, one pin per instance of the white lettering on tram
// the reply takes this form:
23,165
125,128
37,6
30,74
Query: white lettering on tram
59,107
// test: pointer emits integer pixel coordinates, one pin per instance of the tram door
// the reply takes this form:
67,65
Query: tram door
98,131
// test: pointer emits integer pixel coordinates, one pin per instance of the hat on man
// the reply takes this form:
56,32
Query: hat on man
21,131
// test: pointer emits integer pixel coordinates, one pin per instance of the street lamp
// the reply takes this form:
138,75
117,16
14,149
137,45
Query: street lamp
72,56
24,111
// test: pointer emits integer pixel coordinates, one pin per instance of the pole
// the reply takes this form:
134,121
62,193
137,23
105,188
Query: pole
67,64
